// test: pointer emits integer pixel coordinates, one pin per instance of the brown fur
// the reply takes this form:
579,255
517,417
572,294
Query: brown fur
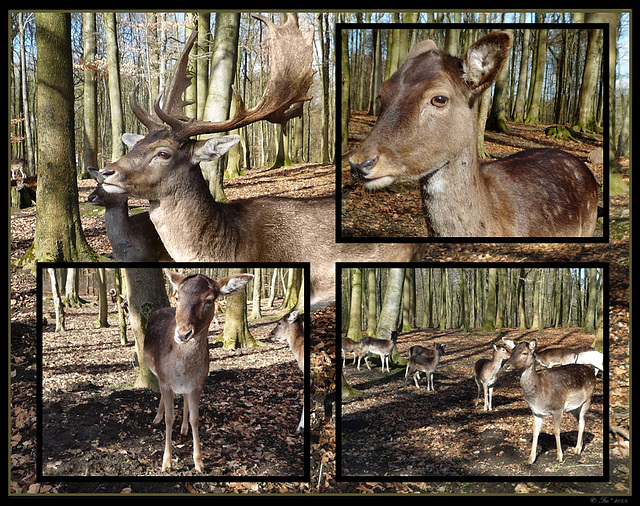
427,132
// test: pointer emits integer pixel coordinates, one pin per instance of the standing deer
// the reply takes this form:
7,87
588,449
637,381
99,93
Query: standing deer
163,166
551,392
426,132
177,352
426,360
485,373
291,329
132,238
349,345
382,347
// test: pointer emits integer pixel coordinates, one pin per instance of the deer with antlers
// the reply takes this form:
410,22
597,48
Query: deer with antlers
163,166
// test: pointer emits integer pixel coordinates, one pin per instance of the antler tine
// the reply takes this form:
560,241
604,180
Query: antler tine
172,110
143,116
291,75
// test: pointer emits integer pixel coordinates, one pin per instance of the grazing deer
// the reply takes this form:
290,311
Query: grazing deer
485,373
382,347
427,132
349,345
552,357
551,392
177,352
426,360
132,238
291,329
163,166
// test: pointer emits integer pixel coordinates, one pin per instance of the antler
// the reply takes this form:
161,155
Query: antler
291,75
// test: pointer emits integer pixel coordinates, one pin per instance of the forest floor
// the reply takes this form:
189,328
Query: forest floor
96,424
396,211
139,406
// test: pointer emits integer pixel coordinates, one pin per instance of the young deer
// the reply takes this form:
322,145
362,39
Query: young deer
176,350
164,167
427,132
349,345
485,373
291,329
132,238
382,347
426,360
551,392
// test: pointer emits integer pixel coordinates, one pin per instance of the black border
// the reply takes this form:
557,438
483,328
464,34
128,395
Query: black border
304,477
340,476
339,27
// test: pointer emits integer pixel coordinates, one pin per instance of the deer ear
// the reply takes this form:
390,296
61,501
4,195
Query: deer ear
232,284
131,140
484,60
213,148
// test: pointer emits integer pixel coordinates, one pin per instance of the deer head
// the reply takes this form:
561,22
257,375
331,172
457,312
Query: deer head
155,159
428,99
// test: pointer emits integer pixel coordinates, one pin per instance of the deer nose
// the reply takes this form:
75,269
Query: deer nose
362,169
107,172
181,337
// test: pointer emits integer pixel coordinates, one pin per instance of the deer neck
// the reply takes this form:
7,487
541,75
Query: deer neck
118,226
531,384
191,224
455,199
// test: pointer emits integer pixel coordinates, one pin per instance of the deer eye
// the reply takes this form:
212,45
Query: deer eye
439,101
165,155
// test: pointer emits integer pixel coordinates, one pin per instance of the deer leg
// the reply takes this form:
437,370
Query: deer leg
169,417
537,424
490,398
160,413
194,416
557,421
185,416
580,416
301,422
406,374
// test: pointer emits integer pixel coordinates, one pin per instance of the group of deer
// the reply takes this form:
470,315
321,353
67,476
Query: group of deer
421,358
565,385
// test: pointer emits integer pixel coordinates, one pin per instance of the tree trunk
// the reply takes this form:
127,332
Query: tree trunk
236,332
103,305
59,236
489,321
115,94
256,313
225,52
388,321
146,293
57,299
354,329
90,96
587,110
537,77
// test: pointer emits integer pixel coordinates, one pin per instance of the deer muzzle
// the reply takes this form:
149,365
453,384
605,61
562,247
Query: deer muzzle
182,337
